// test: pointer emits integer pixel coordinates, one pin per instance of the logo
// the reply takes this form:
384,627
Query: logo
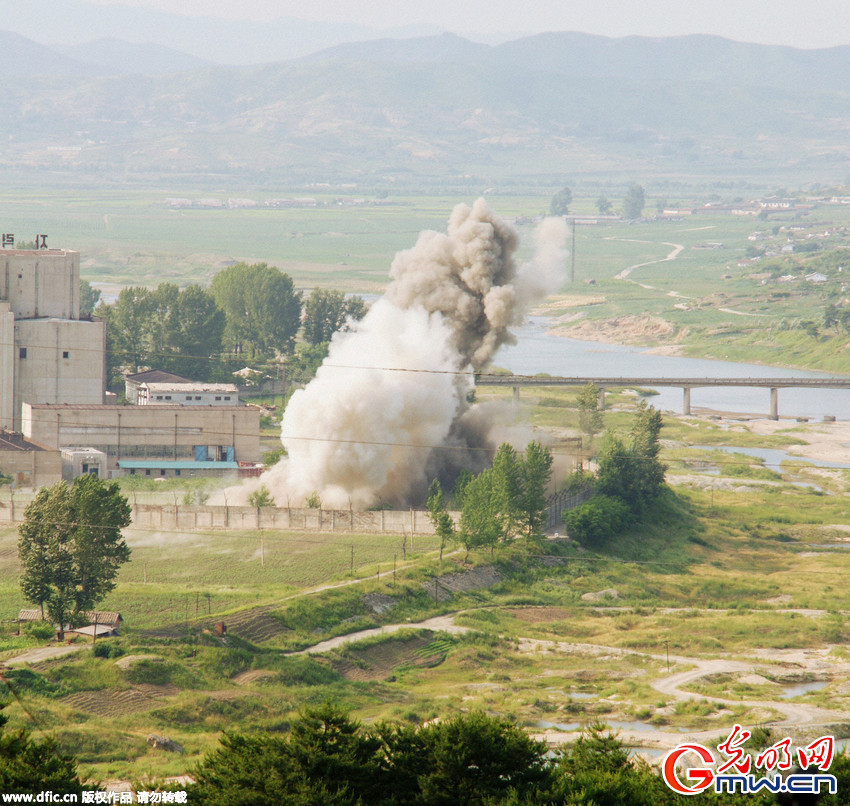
692,768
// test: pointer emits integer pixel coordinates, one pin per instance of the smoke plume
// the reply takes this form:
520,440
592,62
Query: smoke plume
387,410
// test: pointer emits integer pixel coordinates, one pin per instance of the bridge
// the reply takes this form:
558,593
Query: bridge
685,384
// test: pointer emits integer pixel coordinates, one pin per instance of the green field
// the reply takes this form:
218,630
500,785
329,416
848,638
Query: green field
748,575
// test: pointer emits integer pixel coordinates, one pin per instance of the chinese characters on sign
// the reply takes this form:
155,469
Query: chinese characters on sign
7,239
735,773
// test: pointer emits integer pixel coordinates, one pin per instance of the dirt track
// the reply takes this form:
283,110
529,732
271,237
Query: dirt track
795,716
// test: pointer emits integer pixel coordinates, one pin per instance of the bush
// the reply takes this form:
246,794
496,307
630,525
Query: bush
43,630
601,517
107,649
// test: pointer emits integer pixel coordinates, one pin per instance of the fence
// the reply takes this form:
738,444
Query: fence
197,517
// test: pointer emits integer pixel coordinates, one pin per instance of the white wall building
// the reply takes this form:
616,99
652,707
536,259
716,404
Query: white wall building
188,394
48,354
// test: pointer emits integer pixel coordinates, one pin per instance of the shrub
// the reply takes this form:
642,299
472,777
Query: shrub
601,517
107,649
43,630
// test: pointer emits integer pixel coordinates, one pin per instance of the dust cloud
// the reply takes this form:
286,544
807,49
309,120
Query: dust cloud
388,409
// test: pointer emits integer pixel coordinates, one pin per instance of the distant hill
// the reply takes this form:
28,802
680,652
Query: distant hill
120,56
20,56
438,106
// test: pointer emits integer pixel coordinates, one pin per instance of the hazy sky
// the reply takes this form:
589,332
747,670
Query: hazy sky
800,23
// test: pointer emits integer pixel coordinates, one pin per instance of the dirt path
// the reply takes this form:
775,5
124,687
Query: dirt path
677,248
438,623
43,653
794,715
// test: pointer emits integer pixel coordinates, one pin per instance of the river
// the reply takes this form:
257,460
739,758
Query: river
538,351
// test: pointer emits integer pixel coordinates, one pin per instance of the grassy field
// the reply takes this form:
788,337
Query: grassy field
684,582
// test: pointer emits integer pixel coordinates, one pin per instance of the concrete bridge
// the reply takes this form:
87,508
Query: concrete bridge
685,384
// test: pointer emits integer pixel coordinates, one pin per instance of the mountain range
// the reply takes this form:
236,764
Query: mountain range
423,109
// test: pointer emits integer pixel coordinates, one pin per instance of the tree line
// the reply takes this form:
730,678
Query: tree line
328,759
250,312
503,502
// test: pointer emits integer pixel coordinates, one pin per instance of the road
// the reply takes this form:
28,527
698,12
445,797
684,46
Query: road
793,715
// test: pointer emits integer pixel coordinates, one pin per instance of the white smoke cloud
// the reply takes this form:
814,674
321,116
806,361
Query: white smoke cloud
394,388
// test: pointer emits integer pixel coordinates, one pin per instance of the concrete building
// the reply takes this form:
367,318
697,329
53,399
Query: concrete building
29,464
48,353
132,383
83,462
188,394
153,440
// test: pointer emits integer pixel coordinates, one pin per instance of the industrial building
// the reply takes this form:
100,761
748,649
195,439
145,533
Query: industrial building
48,352
156,441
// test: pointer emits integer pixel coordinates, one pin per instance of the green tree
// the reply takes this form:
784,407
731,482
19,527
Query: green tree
327,759
443,524
561,202
589,417
634,202
262,307
603,206
89,297
632,471
327,311
536,475
261,497
507,499
28,766
126,329
480,524
470,759
196,333
71,546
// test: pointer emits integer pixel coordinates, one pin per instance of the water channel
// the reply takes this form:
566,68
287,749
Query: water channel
539,351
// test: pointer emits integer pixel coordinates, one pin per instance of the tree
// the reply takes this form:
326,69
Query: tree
634,202
507,499
443,524
126,326
71,546
589,417
263,308
261,497
196,333
89,297
603,206
327,311
536,475
632,472
480,524
561,202
28,766
178,331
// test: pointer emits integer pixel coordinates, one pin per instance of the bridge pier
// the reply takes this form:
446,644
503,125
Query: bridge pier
686,400
600,399
774,403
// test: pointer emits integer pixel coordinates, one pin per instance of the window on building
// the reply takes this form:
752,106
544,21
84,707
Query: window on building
147,472
176,472
64,354
227,397
162,472
197,397
218,397
132,471
188,397
159,397
168,397
22,353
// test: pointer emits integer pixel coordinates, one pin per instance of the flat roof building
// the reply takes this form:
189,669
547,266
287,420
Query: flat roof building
48,352
152,440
